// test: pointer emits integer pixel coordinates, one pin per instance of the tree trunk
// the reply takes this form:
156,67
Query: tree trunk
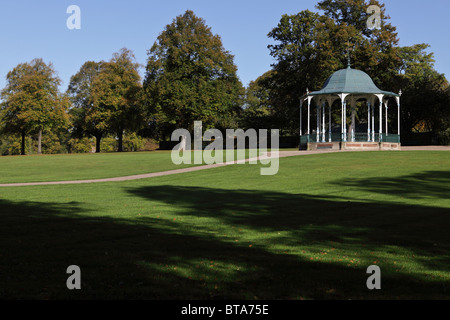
40,141
22,150
120,135
98,138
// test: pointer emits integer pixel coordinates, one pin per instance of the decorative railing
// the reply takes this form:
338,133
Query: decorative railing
393,138
357,137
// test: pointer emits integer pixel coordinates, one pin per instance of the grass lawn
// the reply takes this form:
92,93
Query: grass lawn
37,168
309,232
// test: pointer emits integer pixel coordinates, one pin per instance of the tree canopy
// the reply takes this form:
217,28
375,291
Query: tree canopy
190,76
107,97
426,93
309,46
116,95
86,121
31,100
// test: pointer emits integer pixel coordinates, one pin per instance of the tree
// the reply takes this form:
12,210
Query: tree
310,46
257,112
426,99
117,93
190,76
31,101
107,98
86,119
354,13
305,53
374,51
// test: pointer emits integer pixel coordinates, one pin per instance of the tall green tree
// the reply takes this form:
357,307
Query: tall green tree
306,49
117,94
309,46
374,51
257,112
31,101
190,76
107,98
86,119
426,99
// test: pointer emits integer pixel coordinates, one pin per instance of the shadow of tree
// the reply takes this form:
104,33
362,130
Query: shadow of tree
410,226
155,258
429,184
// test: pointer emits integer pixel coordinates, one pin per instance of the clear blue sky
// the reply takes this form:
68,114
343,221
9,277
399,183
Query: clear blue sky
31,29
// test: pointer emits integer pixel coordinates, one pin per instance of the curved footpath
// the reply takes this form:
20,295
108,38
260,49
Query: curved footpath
281,154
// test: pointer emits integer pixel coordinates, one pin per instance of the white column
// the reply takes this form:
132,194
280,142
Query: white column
323,121
398,125
318,121
329,120
373,122
343,116
380,124
342,120
381,120
368,119
301,109
386,120
345,121
309,115
398,114
353,105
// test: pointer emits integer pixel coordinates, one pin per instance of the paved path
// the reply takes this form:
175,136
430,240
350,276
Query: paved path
162,173
427,148
281,154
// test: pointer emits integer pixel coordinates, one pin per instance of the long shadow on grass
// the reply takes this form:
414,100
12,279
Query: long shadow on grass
314,218
154,258
315,223
429,184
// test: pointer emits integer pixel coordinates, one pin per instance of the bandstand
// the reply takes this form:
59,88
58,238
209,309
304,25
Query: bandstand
349,86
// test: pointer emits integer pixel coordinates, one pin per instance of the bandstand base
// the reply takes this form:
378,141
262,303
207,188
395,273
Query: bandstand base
355,146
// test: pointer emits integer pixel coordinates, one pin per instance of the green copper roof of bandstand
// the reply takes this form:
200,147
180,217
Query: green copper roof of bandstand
350,81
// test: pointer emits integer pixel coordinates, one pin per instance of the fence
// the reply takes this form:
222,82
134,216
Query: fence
357,137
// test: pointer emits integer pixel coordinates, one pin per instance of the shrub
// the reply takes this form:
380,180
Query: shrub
133,142
83,145
108,144
10,145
